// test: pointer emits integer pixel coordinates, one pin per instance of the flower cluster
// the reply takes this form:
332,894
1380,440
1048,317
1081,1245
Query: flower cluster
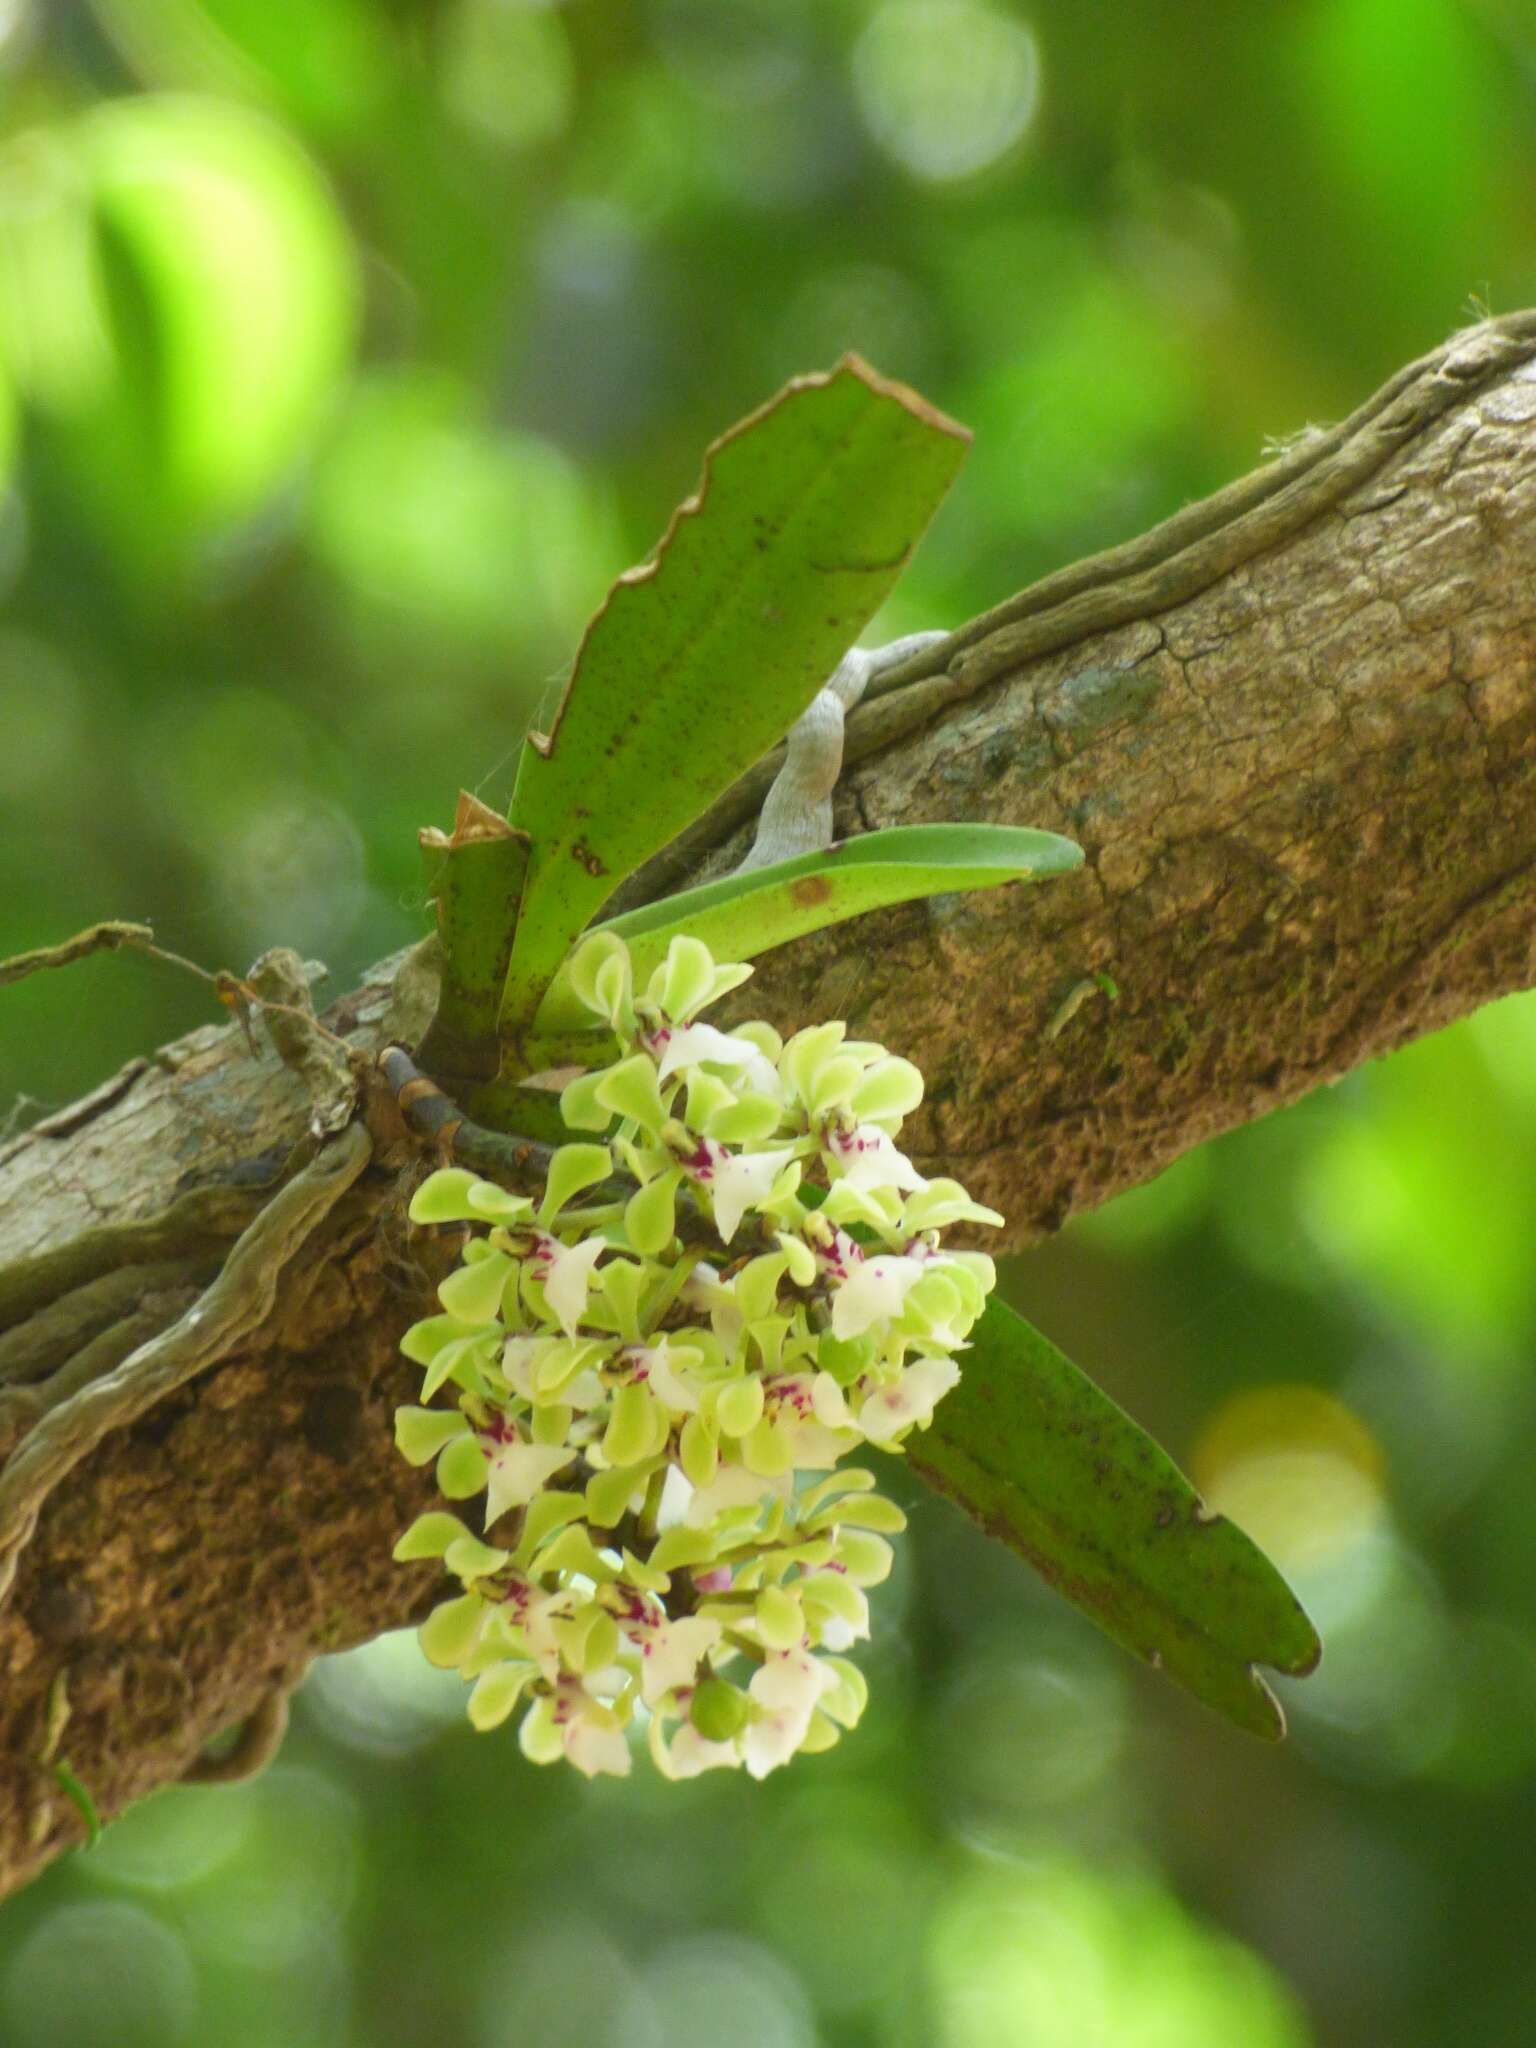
658,1371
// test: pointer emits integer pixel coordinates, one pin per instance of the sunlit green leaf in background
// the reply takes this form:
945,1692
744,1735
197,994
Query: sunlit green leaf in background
1052,1467
1402,127
435,523
508,71
805,516
216,324
325,62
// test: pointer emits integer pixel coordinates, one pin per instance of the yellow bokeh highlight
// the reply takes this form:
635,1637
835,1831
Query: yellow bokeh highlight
1296,1469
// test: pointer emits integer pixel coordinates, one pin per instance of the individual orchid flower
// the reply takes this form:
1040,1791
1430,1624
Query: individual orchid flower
867,1157
565,1273
516,1468
804,1427
676,1046
874,1293
887,1413
735,1181
671,1651
785,1693
668,1370
570,1720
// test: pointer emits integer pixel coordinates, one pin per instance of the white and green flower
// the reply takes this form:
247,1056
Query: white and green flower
660,1421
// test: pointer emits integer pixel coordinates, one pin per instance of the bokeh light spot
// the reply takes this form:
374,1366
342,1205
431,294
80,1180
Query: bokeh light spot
1057,1957
946,86
1295,1469
383,1698
281,1905
696,1989
175,1840
99,1975
507,70
1017,1737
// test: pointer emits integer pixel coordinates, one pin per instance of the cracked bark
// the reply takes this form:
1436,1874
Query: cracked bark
1295,731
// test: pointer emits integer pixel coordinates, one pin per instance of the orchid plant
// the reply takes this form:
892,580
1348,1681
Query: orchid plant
656,1371
656,1394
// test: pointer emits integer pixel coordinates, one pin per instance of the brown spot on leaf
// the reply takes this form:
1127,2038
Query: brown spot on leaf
810,889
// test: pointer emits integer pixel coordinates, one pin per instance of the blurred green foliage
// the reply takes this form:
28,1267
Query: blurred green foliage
346,351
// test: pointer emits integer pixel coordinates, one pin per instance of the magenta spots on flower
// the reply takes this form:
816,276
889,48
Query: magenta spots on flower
792,1391
840,1256
705,1161
631,1362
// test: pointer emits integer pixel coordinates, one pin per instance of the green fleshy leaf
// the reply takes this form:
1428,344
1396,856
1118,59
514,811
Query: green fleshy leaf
430,1535
443,1197
544,1514
574,1551
861,1511
497,1692
650,1215
608,1495
473,1292
462,1470
746,1122
420,1433
631,1429
580,1108
551,1425
703,657
686,979
476,880
448,1634
680,1547
739,1406
622,1282
890,1088
866,1558
468,1558
757,1284
698,1451
780,1619
422,1341
1050,1465
491,1204
631,1089
573,1169
827,1593
740,916
460,1362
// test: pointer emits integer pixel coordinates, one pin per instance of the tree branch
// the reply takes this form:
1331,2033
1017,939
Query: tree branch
1295,730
